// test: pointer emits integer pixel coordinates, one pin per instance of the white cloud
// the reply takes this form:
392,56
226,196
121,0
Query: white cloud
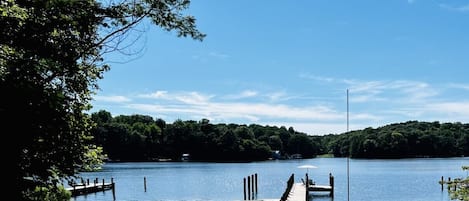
114,99
277,96
374,103
450,108
251,111
204,57
243,94
316,78
184,97
459,86
379,90
156,95
463,8
218,55
410,91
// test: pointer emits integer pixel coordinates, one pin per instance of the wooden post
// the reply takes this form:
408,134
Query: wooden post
442,182
249,188
256,181
252,186
102,187
449,181
145,184
331,183
306,187
244,187
88,181
113,189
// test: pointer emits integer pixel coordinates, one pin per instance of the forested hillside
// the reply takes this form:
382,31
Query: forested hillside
142,138
409,139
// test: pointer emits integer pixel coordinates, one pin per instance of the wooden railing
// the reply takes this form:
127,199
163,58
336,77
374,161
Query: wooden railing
290,182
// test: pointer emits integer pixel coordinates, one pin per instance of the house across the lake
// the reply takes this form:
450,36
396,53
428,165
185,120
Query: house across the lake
185,157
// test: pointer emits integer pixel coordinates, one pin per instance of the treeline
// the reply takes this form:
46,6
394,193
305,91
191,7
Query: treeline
142,138
401,140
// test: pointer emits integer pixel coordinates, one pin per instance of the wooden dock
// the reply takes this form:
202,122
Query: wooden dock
313,187
301,191
297,193
87,187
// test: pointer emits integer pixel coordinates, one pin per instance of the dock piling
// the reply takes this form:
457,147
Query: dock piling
252,186
249,188
113,188
244,187
256,182
331,183
145,184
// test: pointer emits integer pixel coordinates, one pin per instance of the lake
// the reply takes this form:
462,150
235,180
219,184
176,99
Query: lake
370,180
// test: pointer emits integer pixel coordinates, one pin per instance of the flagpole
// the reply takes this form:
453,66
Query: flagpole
348,155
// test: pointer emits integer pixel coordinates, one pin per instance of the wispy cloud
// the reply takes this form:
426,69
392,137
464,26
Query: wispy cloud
156,95
411,1
317,78
242,95
411,91
251,111
113,99
218,55
450,108
459,86
374,103
183,97
207,56
463,8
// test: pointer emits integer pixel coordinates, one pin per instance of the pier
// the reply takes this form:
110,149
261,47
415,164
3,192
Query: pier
93,187
313,187
301,191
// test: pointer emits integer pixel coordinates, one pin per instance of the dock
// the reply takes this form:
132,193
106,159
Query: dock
298,193
313,187
301,191
93,187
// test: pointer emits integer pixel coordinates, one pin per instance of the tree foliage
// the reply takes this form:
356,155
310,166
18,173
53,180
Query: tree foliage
401,140
459,188
50,61
140,138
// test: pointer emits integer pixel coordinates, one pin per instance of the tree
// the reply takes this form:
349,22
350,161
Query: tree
50,61
459,189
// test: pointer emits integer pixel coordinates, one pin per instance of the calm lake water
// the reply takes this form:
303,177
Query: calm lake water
370,180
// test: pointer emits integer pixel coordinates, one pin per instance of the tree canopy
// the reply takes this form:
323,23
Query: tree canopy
141,138
400,140
50,61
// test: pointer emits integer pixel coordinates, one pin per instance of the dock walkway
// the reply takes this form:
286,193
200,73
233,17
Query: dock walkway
86,188
297,193
301,191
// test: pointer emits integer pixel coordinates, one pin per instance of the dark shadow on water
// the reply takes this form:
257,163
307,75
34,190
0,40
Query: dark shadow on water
320,196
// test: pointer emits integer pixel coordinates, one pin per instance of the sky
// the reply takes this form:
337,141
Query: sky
290,63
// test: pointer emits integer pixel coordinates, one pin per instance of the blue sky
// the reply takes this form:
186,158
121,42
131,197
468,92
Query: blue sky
289,63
